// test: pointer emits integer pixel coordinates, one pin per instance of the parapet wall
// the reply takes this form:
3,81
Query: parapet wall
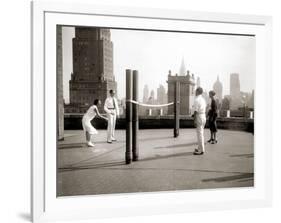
73,122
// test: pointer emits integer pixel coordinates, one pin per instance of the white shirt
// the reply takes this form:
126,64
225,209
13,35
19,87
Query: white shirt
199,105
109,105
90,114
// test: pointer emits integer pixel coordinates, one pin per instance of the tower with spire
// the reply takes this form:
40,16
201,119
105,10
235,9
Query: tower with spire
182,71
187,90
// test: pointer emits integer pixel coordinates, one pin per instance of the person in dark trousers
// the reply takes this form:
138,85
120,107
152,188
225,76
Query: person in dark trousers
213,114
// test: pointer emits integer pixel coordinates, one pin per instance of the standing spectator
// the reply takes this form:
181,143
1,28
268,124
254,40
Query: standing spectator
213,114
199,120
112,110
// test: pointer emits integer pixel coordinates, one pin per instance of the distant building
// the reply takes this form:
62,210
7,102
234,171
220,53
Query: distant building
187,92
161,95
251,101
235,96
148,110
245,98
92,75
162,98
234,84
151,98
145,94
225,104
217,87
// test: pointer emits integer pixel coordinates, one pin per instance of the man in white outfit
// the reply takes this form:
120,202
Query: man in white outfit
199,120
112,111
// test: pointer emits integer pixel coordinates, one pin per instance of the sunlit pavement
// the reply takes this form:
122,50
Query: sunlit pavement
165,163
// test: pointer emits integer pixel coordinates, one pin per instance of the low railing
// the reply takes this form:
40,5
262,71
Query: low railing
73,122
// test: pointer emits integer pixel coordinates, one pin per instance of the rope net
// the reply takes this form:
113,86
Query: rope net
150,105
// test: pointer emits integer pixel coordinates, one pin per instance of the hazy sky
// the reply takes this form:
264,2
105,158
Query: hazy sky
154,53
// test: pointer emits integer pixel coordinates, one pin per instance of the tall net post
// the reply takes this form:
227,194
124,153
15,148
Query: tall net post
129,92
135,123
176,109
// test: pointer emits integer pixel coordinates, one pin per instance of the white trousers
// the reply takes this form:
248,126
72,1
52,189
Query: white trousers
111,126
200,124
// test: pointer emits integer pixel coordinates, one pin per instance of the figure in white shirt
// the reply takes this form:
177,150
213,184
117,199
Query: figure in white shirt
112,111
89,129
199,120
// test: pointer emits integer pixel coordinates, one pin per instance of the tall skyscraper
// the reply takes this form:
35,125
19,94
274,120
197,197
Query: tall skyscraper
162,98
217,87
234,85
152,97
161,95
92,75
235,95
145,94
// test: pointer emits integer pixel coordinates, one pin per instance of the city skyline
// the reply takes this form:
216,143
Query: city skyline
237,97
217,87
223,55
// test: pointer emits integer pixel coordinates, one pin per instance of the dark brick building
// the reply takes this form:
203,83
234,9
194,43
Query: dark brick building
92,75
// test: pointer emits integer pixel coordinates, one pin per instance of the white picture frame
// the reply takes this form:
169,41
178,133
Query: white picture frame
46,205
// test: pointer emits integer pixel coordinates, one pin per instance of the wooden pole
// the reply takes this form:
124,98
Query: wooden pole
176,109
128,116
135,124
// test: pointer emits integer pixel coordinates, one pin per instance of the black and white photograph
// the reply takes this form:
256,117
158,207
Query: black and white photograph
153,111
140,111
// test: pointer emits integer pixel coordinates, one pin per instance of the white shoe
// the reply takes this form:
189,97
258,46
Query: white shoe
90,144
